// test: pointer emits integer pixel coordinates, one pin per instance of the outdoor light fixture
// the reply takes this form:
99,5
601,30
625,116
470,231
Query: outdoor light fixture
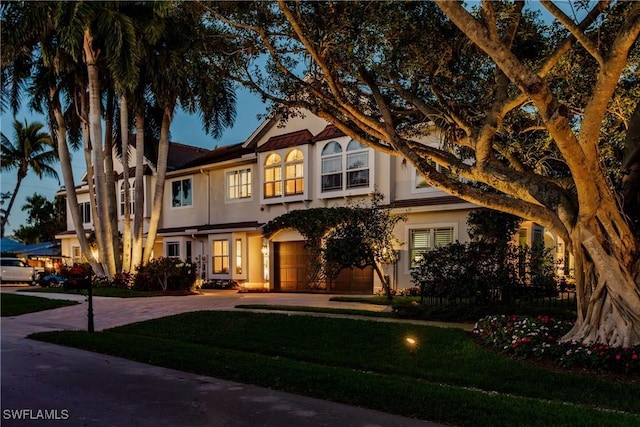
265,262
411,342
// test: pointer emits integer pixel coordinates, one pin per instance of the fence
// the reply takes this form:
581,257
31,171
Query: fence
530,297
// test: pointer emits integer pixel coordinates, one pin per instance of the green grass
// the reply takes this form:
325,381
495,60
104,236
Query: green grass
307,309
409,308
376,299
12,304
98,292
448,378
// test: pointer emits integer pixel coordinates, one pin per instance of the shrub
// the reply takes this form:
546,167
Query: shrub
123,280
220,284
165,274
75,271
413,291
485,272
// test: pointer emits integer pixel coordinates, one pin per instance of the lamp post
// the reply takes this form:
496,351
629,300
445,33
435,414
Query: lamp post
90,297
90,308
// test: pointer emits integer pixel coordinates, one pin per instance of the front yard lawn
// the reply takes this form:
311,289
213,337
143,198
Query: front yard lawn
12,304
98,292
446,377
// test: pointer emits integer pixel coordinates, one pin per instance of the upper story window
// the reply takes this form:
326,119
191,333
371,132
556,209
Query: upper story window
132,188
357,165
181,194
332,167
294,173
239,184
345,170
85,212
419,180
273,176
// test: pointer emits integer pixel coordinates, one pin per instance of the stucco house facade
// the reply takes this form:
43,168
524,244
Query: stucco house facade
216,202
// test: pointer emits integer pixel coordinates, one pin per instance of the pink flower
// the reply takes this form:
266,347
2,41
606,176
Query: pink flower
617,357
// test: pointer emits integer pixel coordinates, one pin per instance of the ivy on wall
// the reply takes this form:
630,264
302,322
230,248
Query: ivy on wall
342,237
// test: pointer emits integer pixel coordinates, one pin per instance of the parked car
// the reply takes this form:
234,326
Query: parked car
16,270
52,280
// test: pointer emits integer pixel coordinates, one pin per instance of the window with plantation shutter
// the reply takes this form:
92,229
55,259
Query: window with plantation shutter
443,236
423,240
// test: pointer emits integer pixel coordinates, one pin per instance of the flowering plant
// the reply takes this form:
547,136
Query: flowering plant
76,271
526,337
521,336
408,292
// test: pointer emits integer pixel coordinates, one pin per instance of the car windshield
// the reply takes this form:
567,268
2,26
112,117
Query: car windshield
14,263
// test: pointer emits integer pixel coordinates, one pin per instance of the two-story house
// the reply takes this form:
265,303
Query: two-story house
216,202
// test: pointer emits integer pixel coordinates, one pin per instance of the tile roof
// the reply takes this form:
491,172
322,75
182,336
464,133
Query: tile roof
427,201
211,227
292,139
328,132
132,172
220,154
180,154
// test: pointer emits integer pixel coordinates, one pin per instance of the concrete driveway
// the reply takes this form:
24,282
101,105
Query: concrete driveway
45,385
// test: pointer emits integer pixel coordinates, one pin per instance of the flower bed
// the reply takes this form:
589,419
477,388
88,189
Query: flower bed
527,337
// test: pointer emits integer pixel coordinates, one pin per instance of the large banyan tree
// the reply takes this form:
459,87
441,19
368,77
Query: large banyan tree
538,112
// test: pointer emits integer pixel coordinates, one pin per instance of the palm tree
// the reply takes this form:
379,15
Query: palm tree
100,38
35,60
31,149
184,72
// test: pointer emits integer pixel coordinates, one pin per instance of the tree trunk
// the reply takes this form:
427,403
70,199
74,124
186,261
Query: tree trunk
86,138
161,173
5,218
138,221
608,293
105,243
110,181
126,232
59,129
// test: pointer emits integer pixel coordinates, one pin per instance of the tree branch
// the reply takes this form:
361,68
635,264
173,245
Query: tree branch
575,30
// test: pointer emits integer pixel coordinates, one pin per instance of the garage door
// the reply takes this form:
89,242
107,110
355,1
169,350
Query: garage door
291,266
354,281
291,272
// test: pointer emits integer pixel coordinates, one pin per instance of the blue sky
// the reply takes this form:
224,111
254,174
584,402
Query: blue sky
185,129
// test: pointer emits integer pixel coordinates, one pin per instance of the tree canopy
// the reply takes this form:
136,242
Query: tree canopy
540,112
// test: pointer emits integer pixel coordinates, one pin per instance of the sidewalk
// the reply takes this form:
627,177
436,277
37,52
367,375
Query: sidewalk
99,390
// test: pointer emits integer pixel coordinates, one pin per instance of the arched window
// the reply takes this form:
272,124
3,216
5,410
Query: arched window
357,165
273,176
332,167
132,193
294,173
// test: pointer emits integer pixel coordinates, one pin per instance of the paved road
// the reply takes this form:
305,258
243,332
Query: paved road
79,388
